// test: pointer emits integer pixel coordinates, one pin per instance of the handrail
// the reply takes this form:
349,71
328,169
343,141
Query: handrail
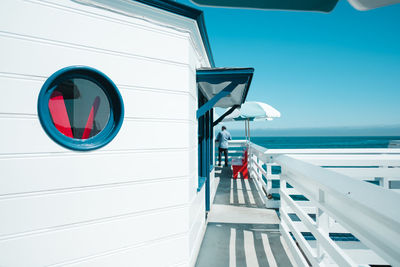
320,234
368,211
347,151
234,142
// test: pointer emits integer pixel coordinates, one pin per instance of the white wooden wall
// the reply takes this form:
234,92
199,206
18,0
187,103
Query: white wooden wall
132,202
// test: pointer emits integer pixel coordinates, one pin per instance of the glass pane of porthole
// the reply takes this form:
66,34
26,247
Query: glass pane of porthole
79,108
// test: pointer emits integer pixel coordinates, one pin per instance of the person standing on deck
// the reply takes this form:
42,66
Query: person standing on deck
222,138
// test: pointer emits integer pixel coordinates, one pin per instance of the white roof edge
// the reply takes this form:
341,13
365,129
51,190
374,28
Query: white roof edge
364,5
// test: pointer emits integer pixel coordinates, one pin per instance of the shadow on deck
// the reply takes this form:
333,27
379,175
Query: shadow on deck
240,230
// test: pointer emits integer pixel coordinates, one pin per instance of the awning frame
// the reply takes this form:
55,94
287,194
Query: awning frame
229,111
235,75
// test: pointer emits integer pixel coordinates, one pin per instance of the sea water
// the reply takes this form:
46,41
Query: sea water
309,142
292,142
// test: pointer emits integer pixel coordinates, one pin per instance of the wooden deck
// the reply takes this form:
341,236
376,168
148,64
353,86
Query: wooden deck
240,230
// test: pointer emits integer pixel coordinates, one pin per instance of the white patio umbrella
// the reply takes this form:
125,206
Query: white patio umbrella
250,111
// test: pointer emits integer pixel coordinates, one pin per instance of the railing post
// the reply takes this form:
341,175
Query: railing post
282,186
385,182
257,171
283,206
284,210
269,181
323,226
269,169
249,159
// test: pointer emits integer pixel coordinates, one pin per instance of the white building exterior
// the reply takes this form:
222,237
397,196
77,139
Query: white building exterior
133,202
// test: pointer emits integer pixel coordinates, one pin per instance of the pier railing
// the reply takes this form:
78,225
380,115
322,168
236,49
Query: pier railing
337,206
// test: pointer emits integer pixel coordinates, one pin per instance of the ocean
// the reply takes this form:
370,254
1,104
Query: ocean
325,141
298,142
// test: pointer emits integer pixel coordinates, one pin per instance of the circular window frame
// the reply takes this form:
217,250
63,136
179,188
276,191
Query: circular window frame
116,103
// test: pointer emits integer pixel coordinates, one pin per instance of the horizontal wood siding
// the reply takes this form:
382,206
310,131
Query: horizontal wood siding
75,242
132,202
197,206
143,255
73,206
48,172
29,87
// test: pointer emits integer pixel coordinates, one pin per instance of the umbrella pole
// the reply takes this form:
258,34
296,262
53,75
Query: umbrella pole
245,127
245,130
248,127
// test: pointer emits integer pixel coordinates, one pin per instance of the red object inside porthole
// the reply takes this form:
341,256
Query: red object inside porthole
79,108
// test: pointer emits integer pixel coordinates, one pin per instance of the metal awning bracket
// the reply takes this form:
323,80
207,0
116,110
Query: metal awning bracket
210,103
229,111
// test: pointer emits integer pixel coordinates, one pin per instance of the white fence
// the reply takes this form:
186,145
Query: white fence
333,199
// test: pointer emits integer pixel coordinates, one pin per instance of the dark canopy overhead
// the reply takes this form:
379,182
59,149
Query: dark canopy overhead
212,81
223,87
306,5
302,5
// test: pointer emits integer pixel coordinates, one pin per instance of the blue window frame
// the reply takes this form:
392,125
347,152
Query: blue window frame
80,108
211,139
205,150
202,146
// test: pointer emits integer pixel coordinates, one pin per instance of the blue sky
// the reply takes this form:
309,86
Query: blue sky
319,70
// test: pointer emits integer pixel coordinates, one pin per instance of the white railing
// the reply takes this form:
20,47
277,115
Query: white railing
236,149
332,182
262,175
260,169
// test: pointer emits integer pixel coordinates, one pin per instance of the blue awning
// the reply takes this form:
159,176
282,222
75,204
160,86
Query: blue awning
223,87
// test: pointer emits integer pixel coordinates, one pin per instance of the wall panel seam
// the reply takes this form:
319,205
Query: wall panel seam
184,263
102,220
122,87
197,215
91,49
147,243
149,119
19,76
34,155
193,97
8,115
166,31
39,193
151,25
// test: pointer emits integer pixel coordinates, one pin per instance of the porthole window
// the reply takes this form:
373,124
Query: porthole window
80,108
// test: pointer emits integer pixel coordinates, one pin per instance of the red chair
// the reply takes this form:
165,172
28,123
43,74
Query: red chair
239,165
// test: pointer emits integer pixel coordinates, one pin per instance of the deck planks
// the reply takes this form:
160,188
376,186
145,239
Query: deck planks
240,230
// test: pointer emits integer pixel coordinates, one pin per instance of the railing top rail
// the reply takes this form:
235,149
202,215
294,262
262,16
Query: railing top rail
237,142
319,151
382,160
370,212
347,151
347,156
258,148
373,197
259,151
